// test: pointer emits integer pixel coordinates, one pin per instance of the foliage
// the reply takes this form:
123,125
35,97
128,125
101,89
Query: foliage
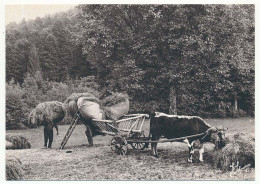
200,55
14,111
20,100
185,46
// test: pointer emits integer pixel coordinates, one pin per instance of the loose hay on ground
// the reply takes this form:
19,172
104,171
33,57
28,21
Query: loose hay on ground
240,150
14,169
17,142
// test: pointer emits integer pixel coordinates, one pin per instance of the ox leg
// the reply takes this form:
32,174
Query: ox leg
201,151
154,149
191,150
154,146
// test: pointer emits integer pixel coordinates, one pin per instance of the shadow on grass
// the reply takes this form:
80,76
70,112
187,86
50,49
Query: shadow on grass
82,146
170,156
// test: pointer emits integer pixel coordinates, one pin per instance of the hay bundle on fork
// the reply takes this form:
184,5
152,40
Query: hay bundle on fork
89,108
32,119
14,169
16,142
116,105
71,102
239,150
52,111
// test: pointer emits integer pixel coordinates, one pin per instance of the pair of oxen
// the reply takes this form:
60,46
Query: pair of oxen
195,131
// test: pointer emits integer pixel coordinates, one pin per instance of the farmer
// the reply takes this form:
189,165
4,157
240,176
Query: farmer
48,134
47,114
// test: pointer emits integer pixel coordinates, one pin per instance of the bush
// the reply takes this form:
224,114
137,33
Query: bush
14,106
20,100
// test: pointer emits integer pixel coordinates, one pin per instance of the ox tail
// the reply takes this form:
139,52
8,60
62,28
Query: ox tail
151,115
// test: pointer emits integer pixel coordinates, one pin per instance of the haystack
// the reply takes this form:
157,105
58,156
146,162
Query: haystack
52,111
71,102
116,105
14,169
32,120
240,150
16,142
89,108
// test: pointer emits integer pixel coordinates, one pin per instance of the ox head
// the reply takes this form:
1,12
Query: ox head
217,136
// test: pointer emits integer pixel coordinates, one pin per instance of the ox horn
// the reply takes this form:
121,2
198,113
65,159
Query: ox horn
212,130
222,128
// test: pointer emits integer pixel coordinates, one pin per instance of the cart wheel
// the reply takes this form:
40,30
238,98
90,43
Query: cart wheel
118,144
139,146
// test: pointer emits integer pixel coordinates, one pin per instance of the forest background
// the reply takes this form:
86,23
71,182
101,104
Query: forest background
178,59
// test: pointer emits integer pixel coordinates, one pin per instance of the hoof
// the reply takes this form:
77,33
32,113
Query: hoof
201,160
156,156
189,160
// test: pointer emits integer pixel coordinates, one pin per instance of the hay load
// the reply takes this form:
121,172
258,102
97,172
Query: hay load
14,169
239,150
89,108
32,120
71,102
16,142
52,111
116,105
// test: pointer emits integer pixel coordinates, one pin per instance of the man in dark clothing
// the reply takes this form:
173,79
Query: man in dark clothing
48,134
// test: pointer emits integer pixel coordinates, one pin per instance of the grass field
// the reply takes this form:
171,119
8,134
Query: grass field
99,163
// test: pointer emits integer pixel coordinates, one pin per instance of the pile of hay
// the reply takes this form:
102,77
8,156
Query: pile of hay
52,111
112,107
116,105
89,108
14,169
16,142
32,120
71,102
240,150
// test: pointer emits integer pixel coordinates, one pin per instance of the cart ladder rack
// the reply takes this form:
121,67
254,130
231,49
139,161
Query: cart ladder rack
70,130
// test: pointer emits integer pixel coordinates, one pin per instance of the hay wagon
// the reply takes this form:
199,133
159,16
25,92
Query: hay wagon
124,132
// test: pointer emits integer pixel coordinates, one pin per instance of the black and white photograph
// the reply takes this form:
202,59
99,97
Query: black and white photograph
129,92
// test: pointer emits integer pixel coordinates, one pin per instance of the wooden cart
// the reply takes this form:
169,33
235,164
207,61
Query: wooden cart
124,131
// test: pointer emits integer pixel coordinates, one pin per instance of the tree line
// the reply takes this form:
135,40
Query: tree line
184,59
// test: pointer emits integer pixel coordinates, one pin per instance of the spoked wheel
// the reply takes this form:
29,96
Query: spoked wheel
118,144
139,146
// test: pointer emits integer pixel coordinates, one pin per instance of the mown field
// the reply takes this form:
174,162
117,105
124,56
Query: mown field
99,163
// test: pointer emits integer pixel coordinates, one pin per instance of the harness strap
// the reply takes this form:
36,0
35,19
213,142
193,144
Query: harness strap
205,135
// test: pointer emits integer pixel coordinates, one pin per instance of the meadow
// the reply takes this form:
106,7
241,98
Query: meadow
100,163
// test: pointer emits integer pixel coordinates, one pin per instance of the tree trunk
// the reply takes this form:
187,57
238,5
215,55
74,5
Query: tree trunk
172,98
235,104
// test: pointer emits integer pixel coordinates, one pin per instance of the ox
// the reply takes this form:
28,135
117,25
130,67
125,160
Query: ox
173,126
